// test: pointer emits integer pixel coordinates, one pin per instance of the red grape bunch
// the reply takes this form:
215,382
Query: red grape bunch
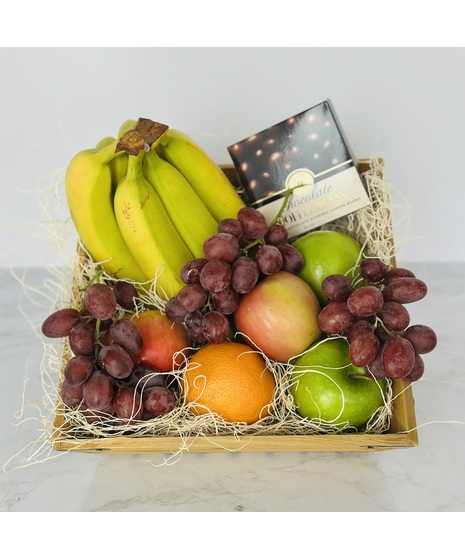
375,321
100,376
242,252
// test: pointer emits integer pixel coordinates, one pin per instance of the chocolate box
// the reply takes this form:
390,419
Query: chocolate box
309,155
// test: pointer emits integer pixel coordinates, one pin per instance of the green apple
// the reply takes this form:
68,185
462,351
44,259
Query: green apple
326,386
327,253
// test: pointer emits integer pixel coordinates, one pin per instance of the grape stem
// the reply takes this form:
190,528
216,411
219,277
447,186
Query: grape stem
251,245
94,279
379,322
287,195
97,334
275,220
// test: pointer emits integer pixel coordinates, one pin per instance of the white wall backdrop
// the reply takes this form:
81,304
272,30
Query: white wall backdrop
405,105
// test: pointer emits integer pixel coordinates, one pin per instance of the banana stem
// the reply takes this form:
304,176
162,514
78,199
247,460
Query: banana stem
143,137
135,166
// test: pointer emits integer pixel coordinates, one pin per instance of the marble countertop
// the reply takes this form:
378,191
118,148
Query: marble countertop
428,477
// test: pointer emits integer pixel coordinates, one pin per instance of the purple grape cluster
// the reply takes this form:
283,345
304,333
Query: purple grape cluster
375,321
242,252
100,376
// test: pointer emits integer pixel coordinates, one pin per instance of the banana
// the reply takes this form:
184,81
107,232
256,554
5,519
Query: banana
118,165
203,174
148,230
88,188
125,126
104,142
186,210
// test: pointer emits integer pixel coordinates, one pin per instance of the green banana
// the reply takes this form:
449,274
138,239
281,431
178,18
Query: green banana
186,210
89,194
148,230
203,174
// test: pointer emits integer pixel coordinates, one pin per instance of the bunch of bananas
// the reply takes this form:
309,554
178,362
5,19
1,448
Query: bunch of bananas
143,213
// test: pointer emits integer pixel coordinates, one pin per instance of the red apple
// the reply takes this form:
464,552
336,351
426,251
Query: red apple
279,316
163,339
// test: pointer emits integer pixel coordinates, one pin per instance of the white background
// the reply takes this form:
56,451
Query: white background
403,104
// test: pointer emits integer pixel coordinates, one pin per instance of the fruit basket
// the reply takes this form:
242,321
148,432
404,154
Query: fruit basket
400,431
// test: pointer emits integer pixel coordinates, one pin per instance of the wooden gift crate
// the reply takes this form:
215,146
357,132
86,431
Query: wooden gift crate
402,431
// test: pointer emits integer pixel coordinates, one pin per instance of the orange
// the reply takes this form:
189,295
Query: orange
230,380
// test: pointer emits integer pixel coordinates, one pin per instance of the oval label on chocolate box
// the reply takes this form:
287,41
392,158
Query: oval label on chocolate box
299,177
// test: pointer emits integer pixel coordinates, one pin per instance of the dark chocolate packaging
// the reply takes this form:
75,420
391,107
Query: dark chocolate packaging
309,155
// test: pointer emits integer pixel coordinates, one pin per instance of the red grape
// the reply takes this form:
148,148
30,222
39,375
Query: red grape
82,339
215,275
125,333
422,337
221,246
357,327
394,316
144,376
293,261
193,319
365,301
100,301
60,323
116,361
397,357
125,294
245,274
226,301
192,296
417,371
78,369
405,290
364,348
397,272
269,259
97,391
174,311
196,335
157,401
215,327
128,403
276,235
71,395
335,317
373,270
193,323
375,368
231,226
253,222
190,271
337,287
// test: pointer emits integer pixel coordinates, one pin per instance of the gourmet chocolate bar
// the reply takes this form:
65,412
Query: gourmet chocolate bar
309,155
